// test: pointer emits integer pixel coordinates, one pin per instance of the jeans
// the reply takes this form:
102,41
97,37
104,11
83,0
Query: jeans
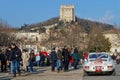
66,65
3,66
15,66
58,65
53,65
38,63
42,63
31,64
75,64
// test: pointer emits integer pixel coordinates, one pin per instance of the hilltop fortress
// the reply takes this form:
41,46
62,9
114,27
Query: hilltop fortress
67,13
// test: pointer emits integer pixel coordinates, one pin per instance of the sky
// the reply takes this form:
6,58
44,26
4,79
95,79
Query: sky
20,12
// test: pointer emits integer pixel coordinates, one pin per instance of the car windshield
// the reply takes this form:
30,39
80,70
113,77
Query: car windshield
96,56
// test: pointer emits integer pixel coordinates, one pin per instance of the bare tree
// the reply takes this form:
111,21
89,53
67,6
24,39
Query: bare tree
6,36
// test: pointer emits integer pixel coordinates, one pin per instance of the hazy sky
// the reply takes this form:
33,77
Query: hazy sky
19,12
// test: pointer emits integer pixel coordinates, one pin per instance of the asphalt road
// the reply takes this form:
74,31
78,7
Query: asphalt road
44,73
105,77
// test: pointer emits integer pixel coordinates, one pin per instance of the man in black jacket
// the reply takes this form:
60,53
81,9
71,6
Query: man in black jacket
15,58
3,58
66,58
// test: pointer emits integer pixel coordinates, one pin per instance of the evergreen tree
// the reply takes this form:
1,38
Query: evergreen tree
98,43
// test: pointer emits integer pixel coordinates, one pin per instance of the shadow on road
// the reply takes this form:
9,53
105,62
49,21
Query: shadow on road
37,71
72,69
4,77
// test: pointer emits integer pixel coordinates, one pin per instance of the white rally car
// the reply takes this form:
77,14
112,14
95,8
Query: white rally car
100,62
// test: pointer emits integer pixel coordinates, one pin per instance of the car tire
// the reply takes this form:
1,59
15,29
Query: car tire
113,73
85,73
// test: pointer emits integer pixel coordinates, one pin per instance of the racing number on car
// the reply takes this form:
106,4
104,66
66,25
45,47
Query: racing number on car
98,67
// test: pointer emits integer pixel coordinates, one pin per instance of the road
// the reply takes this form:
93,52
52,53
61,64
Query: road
44,73
105,77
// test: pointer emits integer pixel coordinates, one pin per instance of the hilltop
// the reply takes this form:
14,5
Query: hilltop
86,24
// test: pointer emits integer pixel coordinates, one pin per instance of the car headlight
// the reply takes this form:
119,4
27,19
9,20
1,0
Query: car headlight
109,67
86,67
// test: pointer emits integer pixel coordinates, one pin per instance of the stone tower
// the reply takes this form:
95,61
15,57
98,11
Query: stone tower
67,13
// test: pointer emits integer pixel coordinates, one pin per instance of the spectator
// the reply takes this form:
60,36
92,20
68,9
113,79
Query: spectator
37,59
114,57
66,58
48,61
15,59
71,57
118,59
31,60
8,53
76,58
86,56
53,57
42,59
25,59
59,59
3,58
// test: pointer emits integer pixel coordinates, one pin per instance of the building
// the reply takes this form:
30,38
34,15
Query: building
67,13
32,36
114,39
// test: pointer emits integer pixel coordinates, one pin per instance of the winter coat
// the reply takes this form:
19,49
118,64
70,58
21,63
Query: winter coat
59,55
8,53
42,58
118,57
71,59
86,56
15,54
113,57
3,57
53,56
25,59
66,55
32,57
75,56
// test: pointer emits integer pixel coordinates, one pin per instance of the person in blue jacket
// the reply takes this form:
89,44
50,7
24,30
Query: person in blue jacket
53,57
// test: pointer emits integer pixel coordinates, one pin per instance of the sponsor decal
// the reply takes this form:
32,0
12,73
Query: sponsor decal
98,61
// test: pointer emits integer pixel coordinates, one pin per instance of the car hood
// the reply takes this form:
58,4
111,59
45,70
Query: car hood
97,62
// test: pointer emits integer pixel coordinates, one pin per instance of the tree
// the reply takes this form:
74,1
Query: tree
6,36
97,41
72,35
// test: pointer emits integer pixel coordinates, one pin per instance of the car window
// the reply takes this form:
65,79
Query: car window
98,56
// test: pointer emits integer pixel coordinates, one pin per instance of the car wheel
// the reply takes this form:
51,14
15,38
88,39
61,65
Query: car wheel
113,73
85,73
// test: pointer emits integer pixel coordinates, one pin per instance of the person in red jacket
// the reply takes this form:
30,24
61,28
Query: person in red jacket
86,56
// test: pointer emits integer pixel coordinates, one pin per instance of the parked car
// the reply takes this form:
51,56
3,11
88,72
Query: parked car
99,62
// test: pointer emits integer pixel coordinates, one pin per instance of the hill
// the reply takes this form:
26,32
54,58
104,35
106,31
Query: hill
72,34
86,24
